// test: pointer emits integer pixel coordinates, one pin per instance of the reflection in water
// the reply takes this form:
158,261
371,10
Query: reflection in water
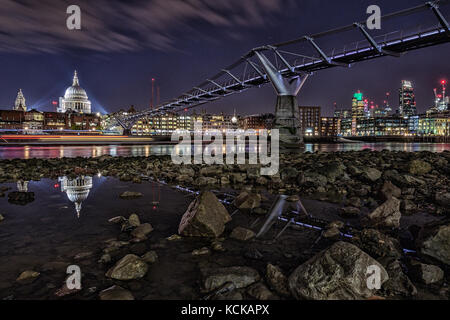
77,189
22,186
27,152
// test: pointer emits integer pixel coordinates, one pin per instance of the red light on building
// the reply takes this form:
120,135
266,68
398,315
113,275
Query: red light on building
54,103
443,82
185,109
56,185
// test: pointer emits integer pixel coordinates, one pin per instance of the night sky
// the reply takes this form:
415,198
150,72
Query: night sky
123,44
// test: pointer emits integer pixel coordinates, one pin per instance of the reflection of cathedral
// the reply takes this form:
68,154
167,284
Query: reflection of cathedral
77,189
75,99
22,186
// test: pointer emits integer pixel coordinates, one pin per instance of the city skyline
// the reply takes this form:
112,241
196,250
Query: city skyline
115,79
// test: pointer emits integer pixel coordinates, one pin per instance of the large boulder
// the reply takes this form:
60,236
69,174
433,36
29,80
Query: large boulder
241,277
247,201
378,244
434,241
116,293
205,217
277,280
128,268
398,282
387,215
426,273
389,190
371,174
419,167
338,273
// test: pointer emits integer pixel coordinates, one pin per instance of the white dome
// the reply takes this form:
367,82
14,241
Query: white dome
75,98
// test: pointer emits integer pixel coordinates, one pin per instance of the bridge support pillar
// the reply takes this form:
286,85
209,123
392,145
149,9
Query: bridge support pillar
287,119
126,132
288,123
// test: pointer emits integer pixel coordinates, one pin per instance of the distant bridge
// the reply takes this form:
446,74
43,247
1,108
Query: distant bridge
288,64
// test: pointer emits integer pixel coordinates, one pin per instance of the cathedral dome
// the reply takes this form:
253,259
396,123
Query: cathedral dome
75,98
75,92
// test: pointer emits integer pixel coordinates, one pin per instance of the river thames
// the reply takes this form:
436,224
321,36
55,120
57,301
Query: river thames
28,152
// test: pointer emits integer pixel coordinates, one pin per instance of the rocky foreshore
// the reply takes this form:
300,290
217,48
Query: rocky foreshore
218,255
362,178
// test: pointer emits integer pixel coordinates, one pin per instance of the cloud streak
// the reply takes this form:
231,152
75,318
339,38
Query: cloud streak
30,26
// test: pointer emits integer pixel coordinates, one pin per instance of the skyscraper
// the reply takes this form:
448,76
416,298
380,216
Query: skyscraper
407,99
20,104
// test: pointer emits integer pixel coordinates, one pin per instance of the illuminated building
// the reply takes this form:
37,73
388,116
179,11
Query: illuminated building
75,99
309,120
257,122
407,100
33,120
330,126
435,125
441,101
343,114
20,103
359,106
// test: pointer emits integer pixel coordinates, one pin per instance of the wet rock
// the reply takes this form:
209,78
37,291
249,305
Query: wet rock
288,174
241,277
398,282
443,199
116,293
174,237
333,170
128,268
65,291
27,277
377,244
332,233
242,234
150,257
201,252
105,258
338,273
336,224
142,231
426,273
134,220
293,198
408,207
387,215
350,212
117,220
371,174
259,291
205,181
205,217
217,246
419,167
247,201
435,242
20,198
389,190
277,280
2,218
129,195
260,211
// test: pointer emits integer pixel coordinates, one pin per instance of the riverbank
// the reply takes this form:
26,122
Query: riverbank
356,203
